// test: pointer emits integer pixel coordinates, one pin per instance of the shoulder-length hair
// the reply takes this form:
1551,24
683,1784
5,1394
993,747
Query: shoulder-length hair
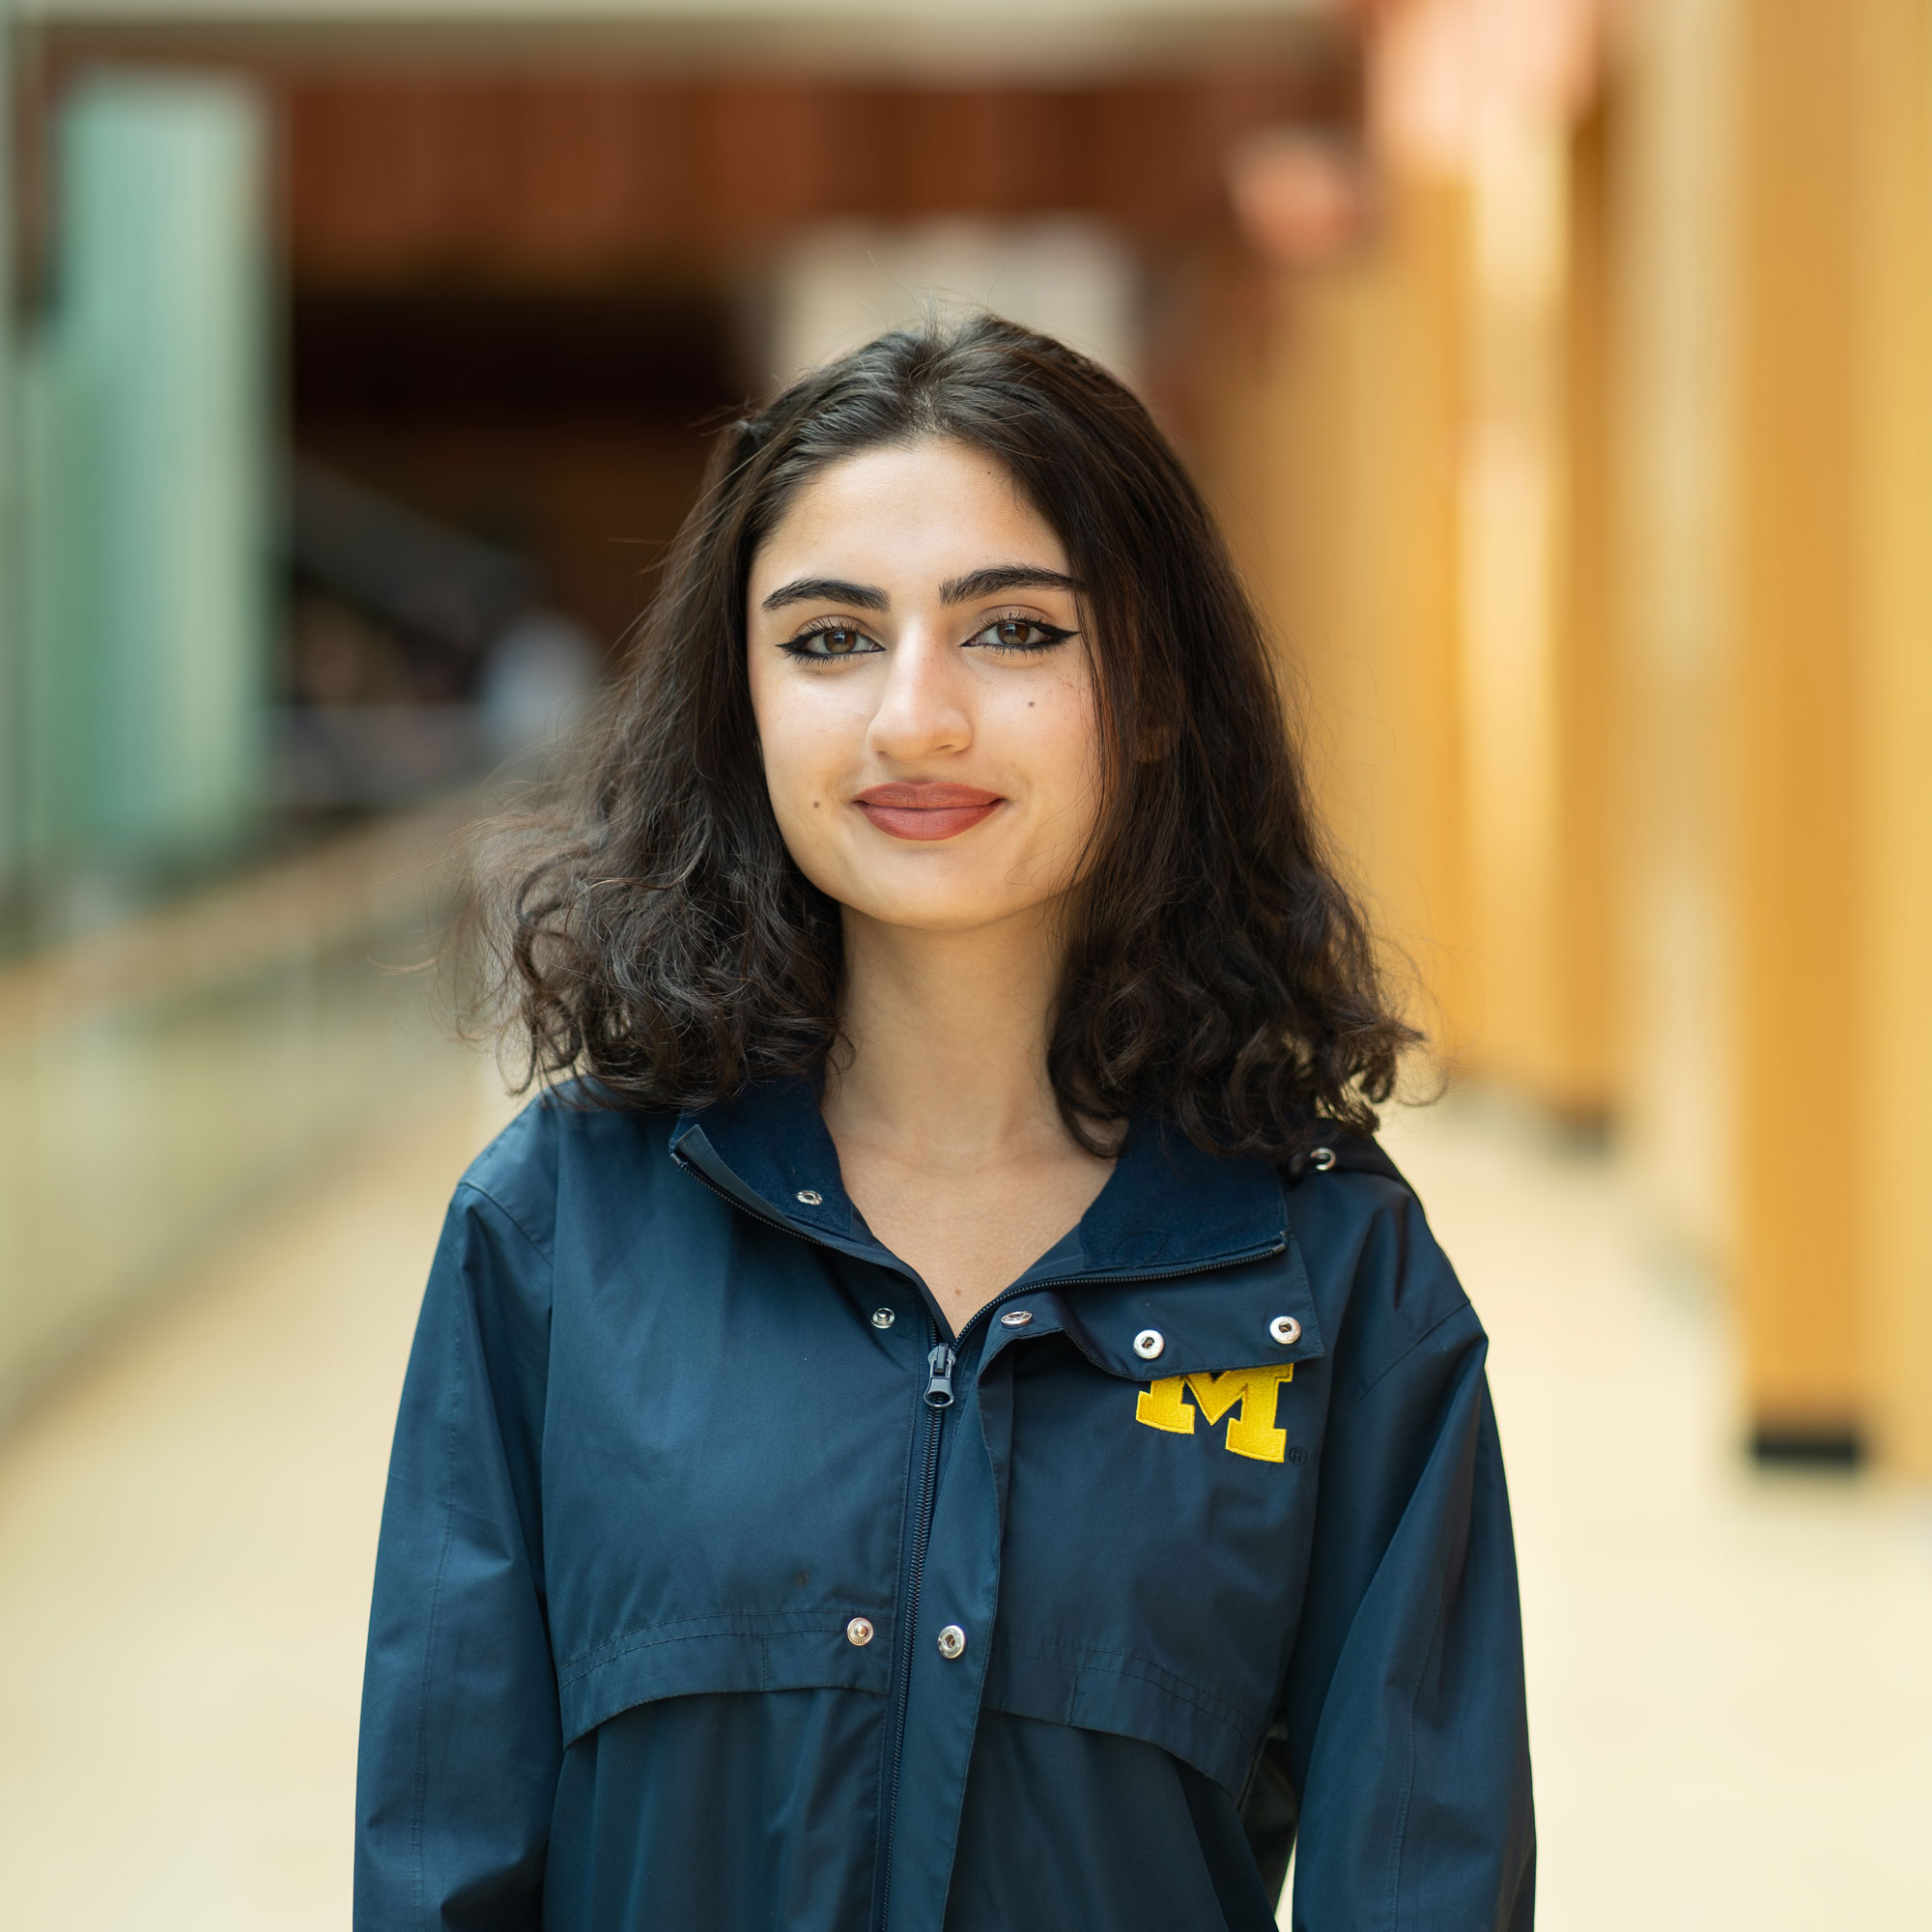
654,935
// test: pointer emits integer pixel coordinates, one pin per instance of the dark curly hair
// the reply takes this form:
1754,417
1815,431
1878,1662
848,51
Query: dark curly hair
654,935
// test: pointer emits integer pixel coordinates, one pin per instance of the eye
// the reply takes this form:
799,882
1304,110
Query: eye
830,642
1019,634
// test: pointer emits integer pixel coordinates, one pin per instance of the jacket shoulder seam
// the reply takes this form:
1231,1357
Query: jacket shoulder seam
1389,1368
482,1193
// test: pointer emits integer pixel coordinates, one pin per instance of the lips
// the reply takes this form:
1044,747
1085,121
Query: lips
926,812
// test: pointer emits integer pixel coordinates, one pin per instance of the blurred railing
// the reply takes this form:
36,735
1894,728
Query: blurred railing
156,1076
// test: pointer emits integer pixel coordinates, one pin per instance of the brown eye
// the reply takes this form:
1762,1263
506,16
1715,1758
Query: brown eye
1020,634
834,640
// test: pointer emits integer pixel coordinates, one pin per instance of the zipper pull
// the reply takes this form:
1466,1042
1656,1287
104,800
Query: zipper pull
939,1378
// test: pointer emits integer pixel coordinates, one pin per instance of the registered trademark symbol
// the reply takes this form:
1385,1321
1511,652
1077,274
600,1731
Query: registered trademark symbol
1297,1454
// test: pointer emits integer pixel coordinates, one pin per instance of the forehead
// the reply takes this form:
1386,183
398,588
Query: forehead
912,513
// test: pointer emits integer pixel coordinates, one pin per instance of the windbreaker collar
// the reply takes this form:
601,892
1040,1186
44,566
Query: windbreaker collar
1167,1207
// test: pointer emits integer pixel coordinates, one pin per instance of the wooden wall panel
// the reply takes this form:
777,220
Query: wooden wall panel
1891,992
1795,692
1669,304
1330,450
1830,683
552,175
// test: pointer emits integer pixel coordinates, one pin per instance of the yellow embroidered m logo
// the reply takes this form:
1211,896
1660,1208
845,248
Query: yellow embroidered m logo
1252,1391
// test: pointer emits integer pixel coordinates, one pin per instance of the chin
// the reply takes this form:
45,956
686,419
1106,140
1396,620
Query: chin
934,912
926,906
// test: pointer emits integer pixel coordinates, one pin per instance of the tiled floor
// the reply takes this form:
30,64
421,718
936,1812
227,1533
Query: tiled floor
186,1539
1730,1675
1731,1680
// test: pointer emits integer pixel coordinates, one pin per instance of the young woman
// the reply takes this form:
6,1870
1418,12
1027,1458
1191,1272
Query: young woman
945,1419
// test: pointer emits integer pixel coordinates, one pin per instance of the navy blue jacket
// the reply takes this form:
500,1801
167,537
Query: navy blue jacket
721,1588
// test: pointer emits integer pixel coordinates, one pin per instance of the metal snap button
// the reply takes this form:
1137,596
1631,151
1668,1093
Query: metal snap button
1321,1159
1285,1328
811,1197
883,1318
859,1632
1016,1318
1148,1343
952,1641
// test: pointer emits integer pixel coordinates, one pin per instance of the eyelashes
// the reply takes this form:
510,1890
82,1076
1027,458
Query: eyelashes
830,643
1044,635
1012,635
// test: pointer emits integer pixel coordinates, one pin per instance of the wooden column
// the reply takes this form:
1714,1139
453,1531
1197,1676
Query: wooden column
1413,465
1671,305
1535,704
1832,692
1797,652
1589,891
1888,998
1329,446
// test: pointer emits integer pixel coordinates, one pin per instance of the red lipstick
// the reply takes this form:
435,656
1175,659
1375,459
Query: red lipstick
927,810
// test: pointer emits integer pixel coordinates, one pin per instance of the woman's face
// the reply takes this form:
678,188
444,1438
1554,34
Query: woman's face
923,690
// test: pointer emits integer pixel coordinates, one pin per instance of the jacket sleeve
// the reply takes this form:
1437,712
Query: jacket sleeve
1406,1729
460,1744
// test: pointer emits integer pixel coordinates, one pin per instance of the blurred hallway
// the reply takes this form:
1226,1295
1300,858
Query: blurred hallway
1731,1694
1562,374
187,1534
1730,1690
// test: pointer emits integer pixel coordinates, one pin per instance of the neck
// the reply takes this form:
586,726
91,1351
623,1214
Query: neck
947,1034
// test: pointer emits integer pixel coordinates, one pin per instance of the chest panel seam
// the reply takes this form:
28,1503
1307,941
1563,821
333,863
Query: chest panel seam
687,1629
1144,1669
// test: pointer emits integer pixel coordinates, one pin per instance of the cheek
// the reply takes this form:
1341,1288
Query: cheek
1061,735
802,741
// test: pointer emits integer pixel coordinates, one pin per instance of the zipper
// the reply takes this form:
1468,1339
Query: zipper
937,1400
939,1376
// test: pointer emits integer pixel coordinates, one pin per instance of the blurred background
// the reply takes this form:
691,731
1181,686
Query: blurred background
1563,374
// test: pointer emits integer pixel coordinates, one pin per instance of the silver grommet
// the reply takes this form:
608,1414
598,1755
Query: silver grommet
1148,1344
859,1632
810,1197
1016,1318
951,1642
883,1318
1285,1328
1321,1159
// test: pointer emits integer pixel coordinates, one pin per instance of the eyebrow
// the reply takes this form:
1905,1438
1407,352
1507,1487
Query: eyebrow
967,589
827,590
999,576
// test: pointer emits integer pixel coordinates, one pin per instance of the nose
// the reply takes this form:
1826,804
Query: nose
924,704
